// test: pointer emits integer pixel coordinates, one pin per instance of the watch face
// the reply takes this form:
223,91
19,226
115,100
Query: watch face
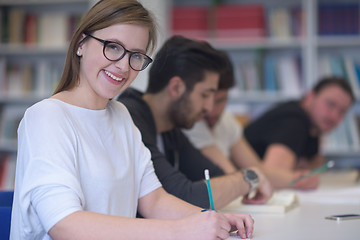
251,175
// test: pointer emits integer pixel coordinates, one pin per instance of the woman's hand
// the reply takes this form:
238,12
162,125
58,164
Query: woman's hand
210,224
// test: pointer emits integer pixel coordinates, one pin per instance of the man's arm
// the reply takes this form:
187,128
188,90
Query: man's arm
279,174
280,166
224,188
279,156
234,186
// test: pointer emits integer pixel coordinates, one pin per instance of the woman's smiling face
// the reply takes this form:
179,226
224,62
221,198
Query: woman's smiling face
101,77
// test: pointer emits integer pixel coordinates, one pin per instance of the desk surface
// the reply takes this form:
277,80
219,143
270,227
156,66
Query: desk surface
308,220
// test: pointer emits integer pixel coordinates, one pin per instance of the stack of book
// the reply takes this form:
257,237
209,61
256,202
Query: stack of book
222,21
329,15
249,21
45,29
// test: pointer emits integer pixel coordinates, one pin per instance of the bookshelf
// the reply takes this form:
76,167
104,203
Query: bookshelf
34,36
288,48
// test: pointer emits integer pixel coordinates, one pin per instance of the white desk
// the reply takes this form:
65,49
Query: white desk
308,220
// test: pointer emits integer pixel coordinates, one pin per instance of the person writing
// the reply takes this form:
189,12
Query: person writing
219,136
293,140
82,169
181,87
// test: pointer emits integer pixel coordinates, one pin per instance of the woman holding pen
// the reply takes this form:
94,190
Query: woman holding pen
82,170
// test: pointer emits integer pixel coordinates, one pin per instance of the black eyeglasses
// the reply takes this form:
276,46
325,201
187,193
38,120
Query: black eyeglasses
114,51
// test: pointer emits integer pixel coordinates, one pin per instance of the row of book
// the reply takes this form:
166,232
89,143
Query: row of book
17,26
7,171
246,20
23,79
283,74
267,73
270,74
338,18
257,20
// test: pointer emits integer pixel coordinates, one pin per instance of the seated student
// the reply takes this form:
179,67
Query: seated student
82,169
182,82
288,136
219,136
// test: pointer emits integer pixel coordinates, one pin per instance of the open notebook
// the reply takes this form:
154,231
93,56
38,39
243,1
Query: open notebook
280,202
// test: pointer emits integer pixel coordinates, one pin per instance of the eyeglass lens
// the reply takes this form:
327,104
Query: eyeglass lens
114,52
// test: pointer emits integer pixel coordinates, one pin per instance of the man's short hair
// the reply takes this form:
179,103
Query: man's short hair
227,78
186,58
334,81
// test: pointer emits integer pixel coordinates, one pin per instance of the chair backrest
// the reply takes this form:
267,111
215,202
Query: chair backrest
5,216
6,199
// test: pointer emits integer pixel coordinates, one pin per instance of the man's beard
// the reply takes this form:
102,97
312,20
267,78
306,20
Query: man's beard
179,112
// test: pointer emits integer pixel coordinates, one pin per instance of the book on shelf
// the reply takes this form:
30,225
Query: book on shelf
190,21
53,30
31,29
240,20
4,27
285,22
270,76
250,76
279,22
298,28
19,26
7,172
222,21
281,202
16,25
2,73
29,78
337,66
350,70
329,15
289,76
9,122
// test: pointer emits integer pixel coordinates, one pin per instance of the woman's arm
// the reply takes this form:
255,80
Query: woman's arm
187,222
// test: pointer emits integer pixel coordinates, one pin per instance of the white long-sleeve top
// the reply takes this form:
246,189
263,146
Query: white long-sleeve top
70,159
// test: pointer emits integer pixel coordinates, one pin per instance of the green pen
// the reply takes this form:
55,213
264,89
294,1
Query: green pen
207,178
320,169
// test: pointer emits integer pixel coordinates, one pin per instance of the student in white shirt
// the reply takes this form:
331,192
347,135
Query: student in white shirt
82,169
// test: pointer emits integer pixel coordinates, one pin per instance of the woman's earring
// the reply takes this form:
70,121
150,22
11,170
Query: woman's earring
78,53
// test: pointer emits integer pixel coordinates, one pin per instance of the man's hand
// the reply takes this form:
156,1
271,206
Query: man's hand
308,183
264,190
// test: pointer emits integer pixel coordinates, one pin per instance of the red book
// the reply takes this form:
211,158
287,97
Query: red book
30,29
189,18
190,21
240,21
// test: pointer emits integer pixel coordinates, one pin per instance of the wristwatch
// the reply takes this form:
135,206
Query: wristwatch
251,177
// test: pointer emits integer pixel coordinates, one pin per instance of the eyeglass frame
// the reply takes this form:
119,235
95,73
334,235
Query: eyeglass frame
131,53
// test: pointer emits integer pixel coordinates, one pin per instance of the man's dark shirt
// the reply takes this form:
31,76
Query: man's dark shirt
181,168
286,124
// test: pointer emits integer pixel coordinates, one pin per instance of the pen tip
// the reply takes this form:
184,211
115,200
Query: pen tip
207,175
330,164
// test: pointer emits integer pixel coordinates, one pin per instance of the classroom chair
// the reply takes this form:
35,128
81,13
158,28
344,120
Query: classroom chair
6,199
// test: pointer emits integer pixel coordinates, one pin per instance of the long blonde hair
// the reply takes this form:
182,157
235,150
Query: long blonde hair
103,14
